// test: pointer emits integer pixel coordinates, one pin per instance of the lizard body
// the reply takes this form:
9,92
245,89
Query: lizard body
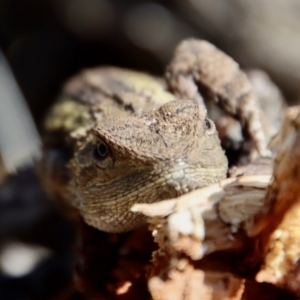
119,137
155,147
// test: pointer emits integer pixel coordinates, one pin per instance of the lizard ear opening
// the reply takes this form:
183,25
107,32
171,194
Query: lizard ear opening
83,156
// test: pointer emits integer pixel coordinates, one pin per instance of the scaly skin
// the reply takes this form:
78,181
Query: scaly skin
156,156
157,147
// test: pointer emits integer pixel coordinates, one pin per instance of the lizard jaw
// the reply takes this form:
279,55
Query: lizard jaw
108,206
184,179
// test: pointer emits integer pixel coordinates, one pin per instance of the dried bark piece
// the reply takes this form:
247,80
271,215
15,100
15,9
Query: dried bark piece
270,100
243,215
209,219
200,63
191,230
190,227
186,281
260,166
278,225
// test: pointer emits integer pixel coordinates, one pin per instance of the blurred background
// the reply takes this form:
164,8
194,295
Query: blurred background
44,42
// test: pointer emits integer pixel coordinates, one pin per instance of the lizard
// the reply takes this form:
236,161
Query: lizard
117,137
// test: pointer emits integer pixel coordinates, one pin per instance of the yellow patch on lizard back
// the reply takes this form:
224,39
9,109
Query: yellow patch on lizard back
67,116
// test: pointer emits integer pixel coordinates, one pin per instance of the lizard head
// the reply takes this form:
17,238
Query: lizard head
147,158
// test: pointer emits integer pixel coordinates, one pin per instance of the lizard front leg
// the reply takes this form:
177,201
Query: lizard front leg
199,63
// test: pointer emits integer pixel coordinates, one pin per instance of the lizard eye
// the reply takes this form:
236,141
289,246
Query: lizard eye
207,124
210,126
100,151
